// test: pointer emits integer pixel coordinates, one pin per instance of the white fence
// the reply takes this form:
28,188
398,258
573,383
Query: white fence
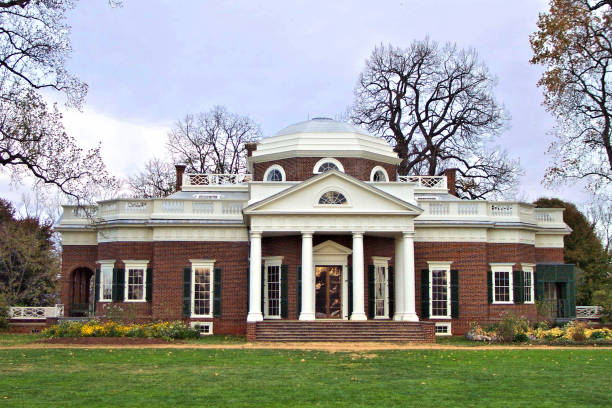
588,312
35,312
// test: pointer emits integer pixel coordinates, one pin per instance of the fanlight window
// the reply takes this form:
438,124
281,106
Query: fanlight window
333,198
380,176
275,175
327,166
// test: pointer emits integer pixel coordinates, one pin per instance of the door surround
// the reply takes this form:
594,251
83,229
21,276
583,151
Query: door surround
330,253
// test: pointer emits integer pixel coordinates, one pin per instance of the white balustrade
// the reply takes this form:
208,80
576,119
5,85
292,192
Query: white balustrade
35,312
441,208
502,210
467,208
425,181
210,179
588,312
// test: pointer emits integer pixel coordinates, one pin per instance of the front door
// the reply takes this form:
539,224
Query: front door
328,289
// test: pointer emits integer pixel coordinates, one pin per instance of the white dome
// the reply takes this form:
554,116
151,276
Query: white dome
323,137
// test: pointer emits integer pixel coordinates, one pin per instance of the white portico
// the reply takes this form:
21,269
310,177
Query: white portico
334,203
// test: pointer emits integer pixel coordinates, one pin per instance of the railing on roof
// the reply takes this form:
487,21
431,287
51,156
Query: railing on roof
210,179
425,181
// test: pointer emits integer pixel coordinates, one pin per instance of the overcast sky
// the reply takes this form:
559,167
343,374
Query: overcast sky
279,62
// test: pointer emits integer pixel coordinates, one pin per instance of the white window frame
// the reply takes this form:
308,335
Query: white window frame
382,261
379,168
315,170
208,325
272,261
448,325
529,268
132,264
440,266
502,267
202,263
338,190
275,167
105,265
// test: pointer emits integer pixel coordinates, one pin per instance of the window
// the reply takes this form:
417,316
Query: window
274,173
528,283
379,174
333,198
201,288
327,164
381,287
135,280
272,287
443,329
205,328
502,283
439,290
106,280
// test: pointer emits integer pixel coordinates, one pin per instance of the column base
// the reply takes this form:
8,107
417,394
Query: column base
254,317
406,317
307,316
358,316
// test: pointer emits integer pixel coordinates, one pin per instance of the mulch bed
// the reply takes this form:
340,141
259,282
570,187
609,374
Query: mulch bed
120,341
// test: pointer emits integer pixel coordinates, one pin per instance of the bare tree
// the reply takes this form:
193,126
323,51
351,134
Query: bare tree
599,212
213,141
436,106
156,180
574,43
34,46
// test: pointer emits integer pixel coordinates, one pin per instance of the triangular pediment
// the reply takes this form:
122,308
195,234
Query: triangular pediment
360,198
330,247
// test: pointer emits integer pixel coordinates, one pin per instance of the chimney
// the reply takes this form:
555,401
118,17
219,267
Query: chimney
250,148
180,169
451,179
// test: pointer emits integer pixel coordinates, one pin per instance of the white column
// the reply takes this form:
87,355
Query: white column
255,279
358,278
399,280
408,261
308,279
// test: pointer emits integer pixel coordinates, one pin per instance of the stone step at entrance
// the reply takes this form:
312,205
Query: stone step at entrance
341,330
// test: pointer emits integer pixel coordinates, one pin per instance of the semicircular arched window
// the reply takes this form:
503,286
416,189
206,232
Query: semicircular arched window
380,176
274,175
327,166
333,198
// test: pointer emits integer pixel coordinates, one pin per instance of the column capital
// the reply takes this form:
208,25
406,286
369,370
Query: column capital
307,233
255,234
358,233
408,234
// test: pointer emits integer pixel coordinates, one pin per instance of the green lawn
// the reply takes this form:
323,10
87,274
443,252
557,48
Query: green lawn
189,377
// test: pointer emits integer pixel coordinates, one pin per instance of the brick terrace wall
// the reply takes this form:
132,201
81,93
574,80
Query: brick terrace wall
73,257
300,168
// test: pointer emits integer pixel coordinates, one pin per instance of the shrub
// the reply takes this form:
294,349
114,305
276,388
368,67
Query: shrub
4,311
520,338
603,297
510,326
575,331
94,328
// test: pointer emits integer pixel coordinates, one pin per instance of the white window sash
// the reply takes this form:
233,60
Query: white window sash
510,286
531,286
105,266
446,269
211,267
139,265
268,263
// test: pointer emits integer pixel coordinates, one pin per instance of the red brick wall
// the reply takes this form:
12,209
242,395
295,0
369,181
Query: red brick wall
550,255
301,168
73,257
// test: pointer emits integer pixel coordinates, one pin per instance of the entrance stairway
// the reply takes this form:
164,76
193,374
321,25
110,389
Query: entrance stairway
342,330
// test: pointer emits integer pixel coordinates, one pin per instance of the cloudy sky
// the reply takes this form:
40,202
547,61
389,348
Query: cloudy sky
279,62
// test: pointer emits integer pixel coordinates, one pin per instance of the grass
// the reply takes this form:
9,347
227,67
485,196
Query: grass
240,378
16,339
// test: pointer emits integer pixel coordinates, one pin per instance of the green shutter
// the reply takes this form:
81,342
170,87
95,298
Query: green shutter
298,294
187,292
490,286
118,284
454,294
217,292
517,282
263,286
371,288
350,291
283,288
391,278
97,288
149,294
424,293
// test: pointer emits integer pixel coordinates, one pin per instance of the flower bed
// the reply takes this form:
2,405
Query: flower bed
517,329
94,328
